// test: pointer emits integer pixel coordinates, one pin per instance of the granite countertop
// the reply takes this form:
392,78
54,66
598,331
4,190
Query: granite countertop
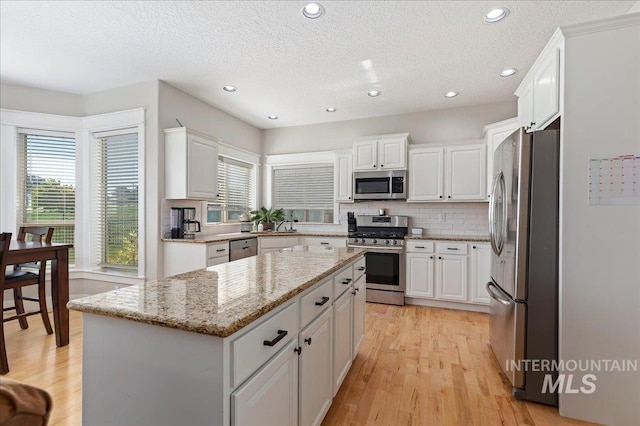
469,238
214,238
222,299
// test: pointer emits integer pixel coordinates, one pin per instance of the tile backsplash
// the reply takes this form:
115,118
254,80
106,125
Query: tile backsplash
459,218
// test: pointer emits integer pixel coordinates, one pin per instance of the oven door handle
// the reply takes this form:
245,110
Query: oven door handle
378,249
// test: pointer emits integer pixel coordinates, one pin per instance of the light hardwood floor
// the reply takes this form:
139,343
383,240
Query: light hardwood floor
417,366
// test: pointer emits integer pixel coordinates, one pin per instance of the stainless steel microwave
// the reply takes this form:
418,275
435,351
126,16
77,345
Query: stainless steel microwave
387,185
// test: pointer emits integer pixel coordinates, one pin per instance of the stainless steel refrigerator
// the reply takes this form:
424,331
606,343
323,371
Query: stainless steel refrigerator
523,230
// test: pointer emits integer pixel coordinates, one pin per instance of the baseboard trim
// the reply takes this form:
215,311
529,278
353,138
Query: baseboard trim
448,305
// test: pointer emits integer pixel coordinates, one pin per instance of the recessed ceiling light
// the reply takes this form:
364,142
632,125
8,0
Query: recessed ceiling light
374,93
272,117
229,88
496,15
331,109
451,94
313,10
508,72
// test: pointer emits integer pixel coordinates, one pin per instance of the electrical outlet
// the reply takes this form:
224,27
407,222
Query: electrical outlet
443,217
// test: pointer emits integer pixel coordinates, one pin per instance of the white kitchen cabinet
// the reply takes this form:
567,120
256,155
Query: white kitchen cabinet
181,257
495,134
191,165
420,274
426,174
539,92
454,172
270,397
343,170
480,255
465,176
384,152
268,244
451,272
316,380
335,242
359,314
342,339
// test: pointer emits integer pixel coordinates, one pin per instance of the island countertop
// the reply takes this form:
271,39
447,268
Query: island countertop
222,299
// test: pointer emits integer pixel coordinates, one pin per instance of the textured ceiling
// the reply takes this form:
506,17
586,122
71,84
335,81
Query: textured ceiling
281,62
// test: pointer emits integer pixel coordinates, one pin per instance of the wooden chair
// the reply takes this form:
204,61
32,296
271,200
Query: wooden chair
19,278
5,241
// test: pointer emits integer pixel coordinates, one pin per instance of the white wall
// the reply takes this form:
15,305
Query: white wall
442,125
23,98
600,245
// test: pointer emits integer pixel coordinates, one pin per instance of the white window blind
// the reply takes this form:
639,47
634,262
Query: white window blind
115,230
303,187
47,183
236,187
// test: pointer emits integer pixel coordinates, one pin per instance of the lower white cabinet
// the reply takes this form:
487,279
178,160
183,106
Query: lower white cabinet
271,396
342,339
480,272
359,314
451,277
325,241
184,257
448,271
315,380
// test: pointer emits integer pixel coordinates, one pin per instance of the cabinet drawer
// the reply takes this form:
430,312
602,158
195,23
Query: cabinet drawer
250,350
342,281
218,250
451,248
278,242
359,268
315,302
420,246
213,261
325,242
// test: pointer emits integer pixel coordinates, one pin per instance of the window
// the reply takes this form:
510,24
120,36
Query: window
236,186
116,201
47,183
305,193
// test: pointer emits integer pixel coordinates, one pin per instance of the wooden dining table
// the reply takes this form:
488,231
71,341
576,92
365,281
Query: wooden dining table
58,255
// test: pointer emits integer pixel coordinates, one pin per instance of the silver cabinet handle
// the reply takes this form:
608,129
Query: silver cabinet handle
219,250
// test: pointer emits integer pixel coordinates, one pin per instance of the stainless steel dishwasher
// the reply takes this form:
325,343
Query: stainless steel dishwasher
239,249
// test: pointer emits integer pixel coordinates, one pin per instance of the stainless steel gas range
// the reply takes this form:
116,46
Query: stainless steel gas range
383,237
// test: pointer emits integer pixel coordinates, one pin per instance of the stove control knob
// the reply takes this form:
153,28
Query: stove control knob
375,241
386,242
395,242
362,241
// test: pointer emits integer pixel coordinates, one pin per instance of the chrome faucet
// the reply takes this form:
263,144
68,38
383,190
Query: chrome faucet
280,224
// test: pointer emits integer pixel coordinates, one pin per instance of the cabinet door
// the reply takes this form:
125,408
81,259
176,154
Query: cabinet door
420,274
525,109
344,178
315,385
452,277
480,272
392,153
425,174
546,91
342,340
202,169
271,396
359,314
466,168
365,155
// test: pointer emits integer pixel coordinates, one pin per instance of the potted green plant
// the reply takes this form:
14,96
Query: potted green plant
267,216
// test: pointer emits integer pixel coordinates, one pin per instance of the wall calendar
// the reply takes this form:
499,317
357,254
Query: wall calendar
614,181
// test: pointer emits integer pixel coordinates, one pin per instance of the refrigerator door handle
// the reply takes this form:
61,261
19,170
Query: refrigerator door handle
496,294
492,208
505,221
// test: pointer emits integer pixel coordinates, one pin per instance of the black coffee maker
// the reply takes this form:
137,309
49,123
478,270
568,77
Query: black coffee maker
183,223
351,221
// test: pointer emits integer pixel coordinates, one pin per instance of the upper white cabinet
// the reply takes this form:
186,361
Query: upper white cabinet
451,173
191,165
343,178
465,167
495,134
539,92
426,177
384,152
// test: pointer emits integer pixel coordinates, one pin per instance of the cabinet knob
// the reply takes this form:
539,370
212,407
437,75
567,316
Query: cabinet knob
381,165
298,350
474,247
308,341
349,197
374,165
439,257
449,196
441,196
353,292
430,257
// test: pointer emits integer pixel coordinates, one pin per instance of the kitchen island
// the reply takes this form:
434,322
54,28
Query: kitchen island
262,340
